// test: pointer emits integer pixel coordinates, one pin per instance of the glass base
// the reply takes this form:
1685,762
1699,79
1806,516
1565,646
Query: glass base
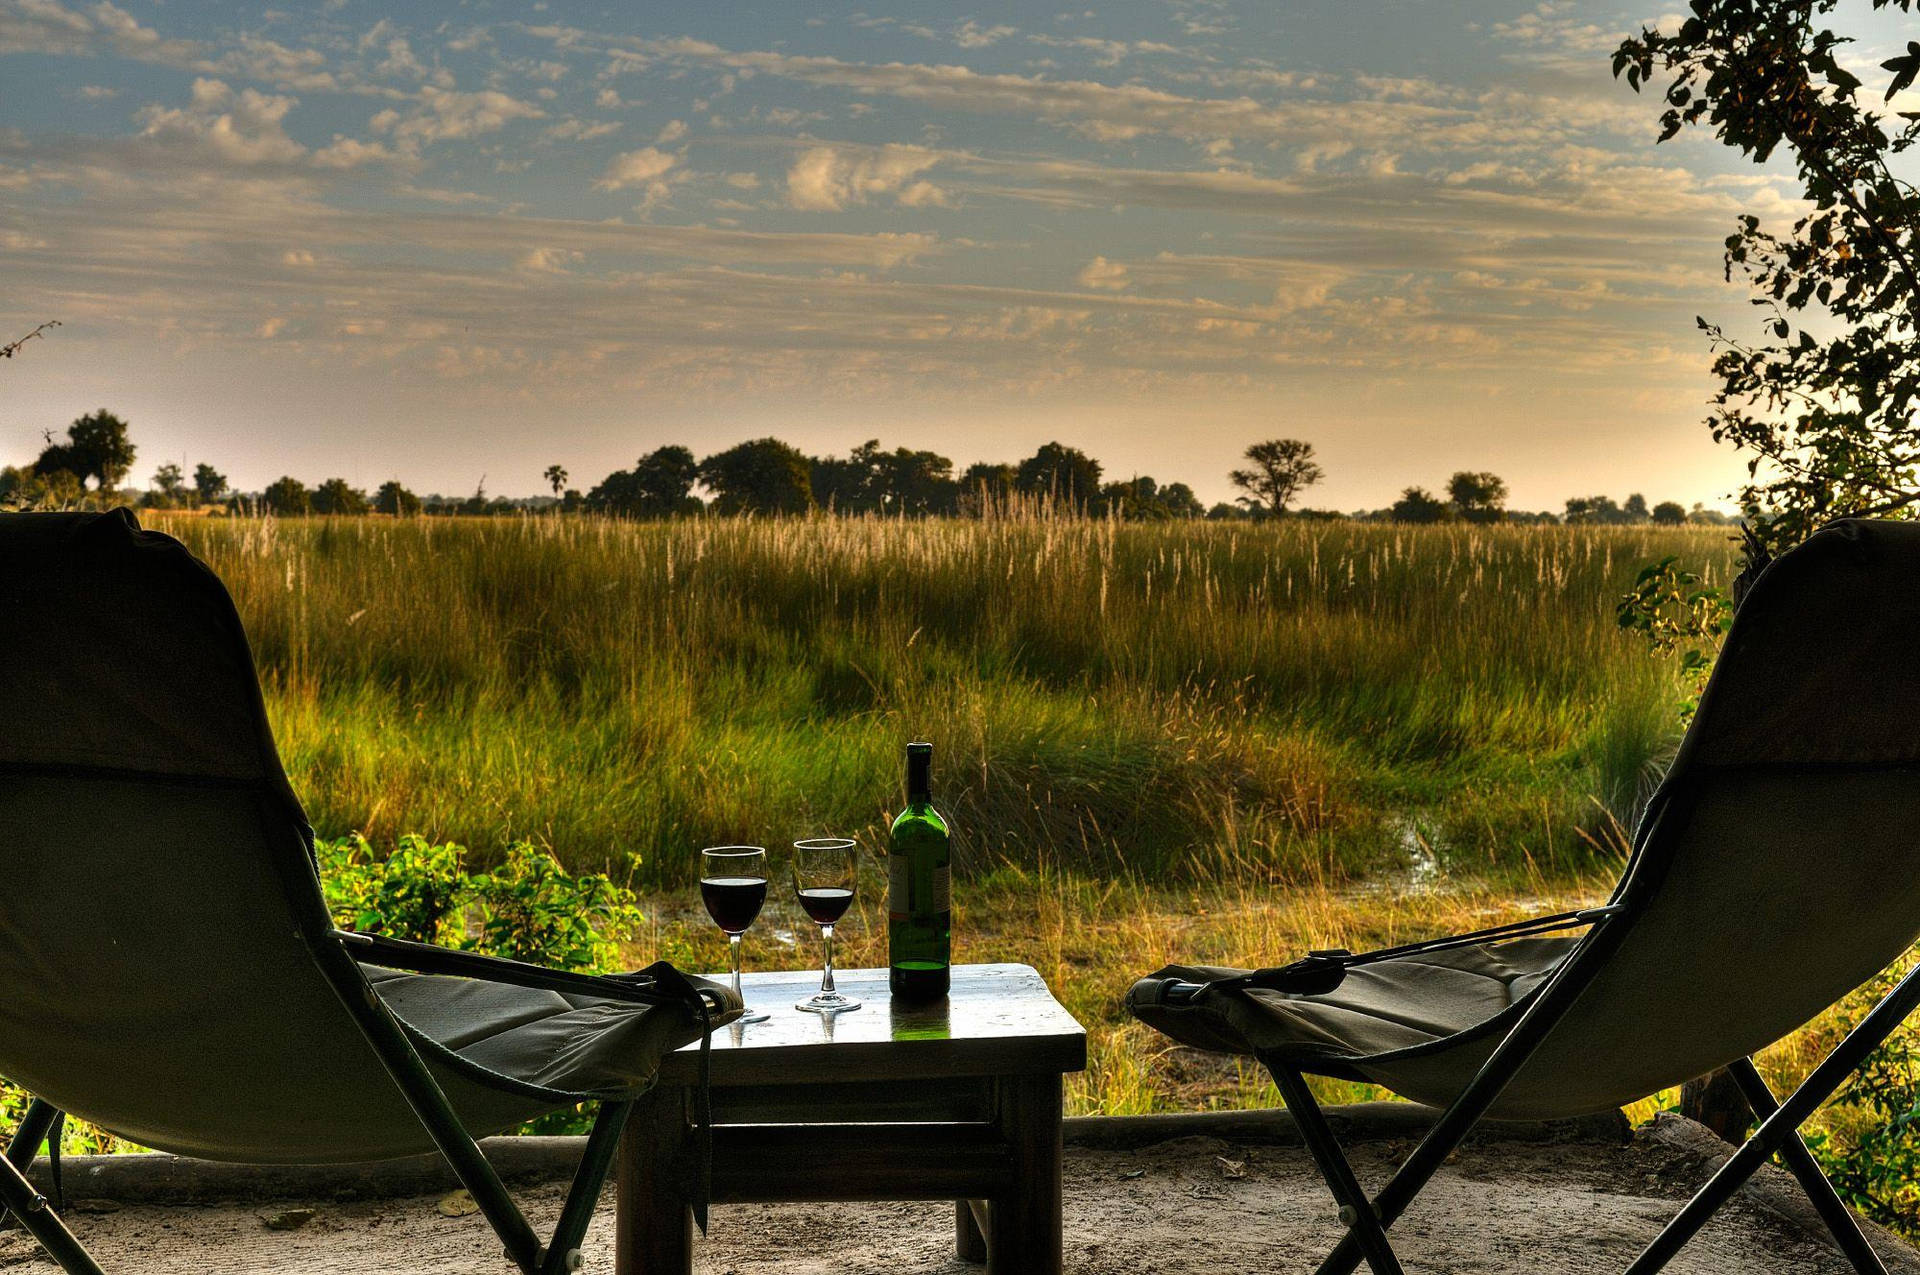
828,1003
753,1016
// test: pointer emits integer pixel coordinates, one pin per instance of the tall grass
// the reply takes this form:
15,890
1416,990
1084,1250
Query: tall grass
1293,702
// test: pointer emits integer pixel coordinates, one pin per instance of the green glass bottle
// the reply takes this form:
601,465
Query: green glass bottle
919,890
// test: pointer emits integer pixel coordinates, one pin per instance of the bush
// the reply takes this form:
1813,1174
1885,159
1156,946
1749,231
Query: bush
1871,1145
529,908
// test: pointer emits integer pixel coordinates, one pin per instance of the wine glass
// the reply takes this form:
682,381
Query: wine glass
823,877
733,885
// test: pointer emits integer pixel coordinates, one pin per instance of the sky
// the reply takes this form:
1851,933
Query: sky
455,243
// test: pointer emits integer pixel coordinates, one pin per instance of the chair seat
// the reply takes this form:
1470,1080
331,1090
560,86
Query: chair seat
1363,1029
571,1044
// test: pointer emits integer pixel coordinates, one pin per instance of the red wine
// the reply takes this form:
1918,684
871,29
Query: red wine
826,904
733,902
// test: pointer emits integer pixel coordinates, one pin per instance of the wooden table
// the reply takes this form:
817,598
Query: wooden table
959,1100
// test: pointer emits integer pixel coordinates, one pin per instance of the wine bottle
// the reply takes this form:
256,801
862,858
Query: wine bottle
919,890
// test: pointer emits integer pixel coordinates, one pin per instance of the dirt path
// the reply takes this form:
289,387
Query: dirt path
1170,1209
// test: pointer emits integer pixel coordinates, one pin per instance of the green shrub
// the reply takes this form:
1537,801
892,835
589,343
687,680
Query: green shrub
1871,1144
528,908
411,894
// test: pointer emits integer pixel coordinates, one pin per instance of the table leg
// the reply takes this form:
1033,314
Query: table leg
1023,1222
654,1221
969,1241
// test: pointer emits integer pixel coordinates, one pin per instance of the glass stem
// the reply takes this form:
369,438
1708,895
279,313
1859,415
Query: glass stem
733,956
826,974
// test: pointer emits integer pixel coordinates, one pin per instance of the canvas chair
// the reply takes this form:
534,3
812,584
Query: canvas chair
1777,868
168,969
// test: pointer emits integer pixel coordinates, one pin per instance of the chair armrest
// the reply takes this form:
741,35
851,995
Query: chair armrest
1320,972
657,984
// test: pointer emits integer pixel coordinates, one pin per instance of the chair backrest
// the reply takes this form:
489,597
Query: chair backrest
1779,865
157,891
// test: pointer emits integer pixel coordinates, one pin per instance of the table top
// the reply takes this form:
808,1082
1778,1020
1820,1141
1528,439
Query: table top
997,1020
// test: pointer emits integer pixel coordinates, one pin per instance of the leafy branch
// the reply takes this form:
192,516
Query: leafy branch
8,350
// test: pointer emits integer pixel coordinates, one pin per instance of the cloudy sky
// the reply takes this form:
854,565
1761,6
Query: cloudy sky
470,240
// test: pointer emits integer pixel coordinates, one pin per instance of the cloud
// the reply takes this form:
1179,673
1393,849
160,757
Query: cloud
446,115
47,26
635,168
550,260
826,178
1103,274
577,130
348,152
236,128
673,131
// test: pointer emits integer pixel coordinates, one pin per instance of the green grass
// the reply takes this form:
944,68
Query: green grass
1224,742
1291,703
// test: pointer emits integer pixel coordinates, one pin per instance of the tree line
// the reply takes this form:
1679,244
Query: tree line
767,476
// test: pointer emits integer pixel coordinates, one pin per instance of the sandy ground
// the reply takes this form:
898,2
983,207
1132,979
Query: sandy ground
1171,1208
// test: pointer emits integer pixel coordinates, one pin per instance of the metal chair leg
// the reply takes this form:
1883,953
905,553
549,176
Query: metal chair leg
18,1195
1356,1210
1826,1202
1550,1004
1783,1124
27,1137
563,1254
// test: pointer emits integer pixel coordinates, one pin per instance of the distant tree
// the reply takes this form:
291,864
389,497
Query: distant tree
762,476
18,486
1706,517
1059,472
337,496
1478,497
557,479
984,486
288,495
393,498
1144,500
169,484
477,505
915,482
660,484
1135,500
665,479
1281,469
57,458
573,502
1417,504
1594,509
1669,513
1223,511
96,447
1180,502
985,476
1636,508
209,484
849,484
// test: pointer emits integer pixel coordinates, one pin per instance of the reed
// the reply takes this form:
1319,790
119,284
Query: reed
1292,702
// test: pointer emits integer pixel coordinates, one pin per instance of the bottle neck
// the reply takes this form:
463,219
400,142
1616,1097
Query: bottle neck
920,777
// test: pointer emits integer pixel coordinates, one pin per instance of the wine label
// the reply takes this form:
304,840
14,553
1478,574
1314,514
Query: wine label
899,890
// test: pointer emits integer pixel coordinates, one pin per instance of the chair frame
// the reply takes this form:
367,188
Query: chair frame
339,954
1367,1219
